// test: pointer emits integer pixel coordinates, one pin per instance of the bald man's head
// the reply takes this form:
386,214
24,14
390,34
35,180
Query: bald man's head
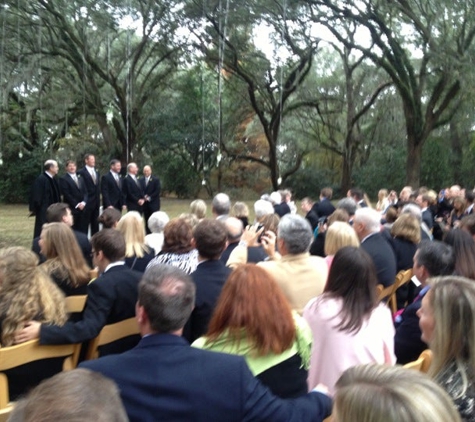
234,229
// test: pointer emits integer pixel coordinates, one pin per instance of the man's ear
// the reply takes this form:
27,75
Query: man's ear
140,314
193,242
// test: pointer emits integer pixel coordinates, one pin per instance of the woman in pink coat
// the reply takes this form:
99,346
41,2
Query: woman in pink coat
349,326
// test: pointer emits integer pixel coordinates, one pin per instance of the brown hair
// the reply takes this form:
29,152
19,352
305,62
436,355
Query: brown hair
177,236
407,227
251,299
210,238
270,222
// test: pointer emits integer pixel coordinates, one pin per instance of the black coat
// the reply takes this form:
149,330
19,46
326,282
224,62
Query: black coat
324,208
383,258
209,278
112,194
73,194
152,190
133,193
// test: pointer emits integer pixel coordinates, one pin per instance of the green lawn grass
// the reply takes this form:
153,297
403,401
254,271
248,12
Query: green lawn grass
16,228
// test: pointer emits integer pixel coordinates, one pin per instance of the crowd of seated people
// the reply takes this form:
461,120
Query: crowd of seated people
293,298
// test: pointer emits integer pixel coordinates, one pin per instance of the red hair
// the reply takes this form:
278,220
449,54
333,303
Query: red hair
251,299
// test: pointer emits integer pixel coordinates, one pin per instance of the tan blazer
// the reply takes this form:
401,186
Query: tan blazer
301,277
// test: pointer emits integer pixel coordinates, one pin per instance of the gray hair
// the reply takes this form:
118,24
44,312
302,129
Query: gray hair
77,395
370,218
168,296
296,233
347,204
413,209
157,221
262,208
221,204
275,198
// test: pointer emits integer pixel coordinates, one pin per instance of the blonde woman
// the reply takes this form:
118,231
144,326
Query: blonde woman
26,293
375,393
339,235
137,253
447,323
65,262
241,211
383,201
198,207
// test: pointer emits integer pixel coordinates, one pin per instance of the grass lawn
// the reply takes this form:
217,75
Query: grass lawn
16,228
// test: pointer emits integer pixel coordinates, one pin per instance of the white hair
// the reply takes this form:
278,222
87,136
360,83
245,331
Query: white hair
275,197
370,218
262,208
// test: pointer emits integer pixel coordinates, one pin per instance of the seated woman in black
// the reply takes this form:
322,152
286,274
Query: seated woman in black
26,293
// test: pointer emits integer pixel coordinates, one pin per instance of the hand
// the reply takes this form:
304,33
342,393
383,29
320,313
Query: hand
141,201
81,206
321,388
124,207
251,234
268,243
31,331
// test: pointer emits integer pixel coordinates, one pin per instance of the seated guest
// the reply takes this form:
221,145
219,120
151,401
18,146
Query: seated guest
457,212
391,394
447,323
310,214
298,274
221,206
424,201
177,248
64,261
78,395
324,208
109,218
262,208
383,201
26,292
390,217
281,207
190,219
198,207
163,377
349,325
406,235
431,259
241,211
60,213
464,250
367,226
234,230
137,253
210,239
416,211
468,224
111,298
318,245
253,319
337,236
156,224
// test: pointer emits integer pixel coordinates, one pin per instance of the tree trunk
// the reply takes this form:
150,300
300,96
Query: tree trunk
346,175
413,161
456,156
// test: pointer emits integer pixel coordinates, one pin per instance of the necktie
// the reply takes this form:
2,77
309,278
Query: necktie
93,175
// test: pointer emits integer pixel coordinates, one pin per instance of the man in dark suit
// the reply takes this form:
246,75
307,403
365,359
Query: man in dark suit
424,201
75,195
133,194
163,378
307,207
111,187
92,183
210,239
431,259
151,188
45,191
234,229
61,213
367,227
324,208
110,298
358,196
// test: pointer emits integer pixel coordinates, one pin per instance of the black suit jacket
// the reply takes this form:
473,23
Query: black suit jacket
209,278
165,379
152,190
132,193
44,192
312,218
112,192
73,194
110,298
383,257
428,218
324,208
255,254
92,189
407,340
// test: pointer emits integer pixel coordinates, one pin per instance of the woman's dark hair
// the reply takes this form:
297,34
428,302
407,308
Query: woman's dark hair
353,278
464,249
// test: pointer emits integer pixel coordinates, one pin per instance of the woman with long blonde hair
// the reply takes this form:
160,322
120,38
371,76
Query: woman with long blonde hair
137,253
65,262
26,293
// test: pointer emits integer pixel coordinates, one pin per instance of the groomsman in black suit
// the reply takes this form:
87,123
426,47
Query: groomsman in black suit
151,188
45,191
111,186
133,193
75,195
92,182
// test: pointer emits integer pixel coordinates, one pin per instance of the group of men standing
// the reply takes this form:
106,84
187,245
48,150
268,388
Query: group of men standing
82,190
